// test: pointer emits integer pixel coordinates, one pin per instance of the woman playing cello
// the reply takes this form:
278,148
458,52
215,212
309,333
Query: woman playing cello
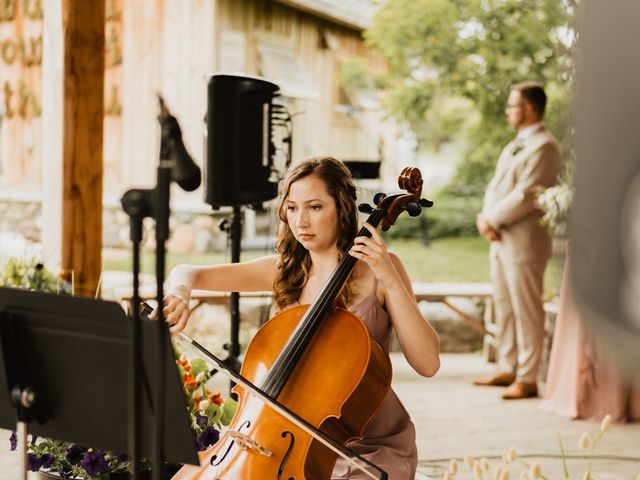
319,219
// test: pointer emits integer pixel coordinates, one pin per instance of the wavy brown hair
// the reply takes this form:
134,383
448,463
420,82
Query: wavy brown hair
294,261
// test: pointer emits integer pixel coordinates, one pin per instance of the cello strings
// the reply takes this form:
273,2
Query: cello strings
301,339
286,361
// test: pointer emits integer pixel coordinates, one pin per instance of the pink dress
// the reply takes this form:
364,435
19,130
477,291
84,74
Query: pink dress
390,437
581,383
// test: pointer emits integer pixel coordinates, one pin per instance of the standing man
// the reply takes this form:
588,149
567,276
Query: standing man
520,246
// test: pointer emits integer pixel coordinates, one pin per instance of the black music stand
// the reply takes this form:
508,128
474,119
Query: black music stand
74,353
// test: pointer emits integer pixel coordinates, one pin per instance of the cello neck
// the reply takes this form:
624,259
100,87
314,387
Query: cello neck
288,358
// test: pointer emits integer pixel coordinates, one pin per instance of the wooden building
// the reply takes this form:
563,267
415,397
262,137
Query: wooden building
169,47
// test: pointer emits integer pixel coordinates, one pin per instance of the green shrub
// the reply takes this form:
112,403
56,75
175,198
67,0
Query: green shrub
450,216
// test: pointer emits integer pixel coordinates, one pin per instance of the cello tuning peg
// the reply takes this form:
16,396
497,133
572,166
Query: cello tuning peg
378,197
365,208
413,209
425,203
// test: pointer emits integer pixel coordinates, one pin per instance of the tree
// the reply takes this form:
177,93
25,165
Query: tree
474,49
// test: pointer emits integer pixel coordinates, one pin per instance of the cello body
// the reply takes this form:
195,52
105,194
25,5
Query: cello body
338,386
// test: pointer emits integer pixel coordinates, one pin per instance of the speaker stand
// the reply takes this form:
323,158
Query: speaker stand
234,234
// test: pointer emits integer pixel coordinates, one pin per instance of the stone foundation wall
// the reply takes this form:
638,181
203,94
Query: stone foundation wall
191,231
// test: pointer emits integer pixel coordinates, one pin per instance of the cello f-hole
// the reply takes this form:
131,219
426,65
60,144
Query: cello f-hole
247,424
286,434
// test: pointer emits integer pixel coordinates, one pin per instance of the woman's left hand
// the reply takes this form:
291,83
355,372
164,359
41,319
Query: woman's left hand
374,253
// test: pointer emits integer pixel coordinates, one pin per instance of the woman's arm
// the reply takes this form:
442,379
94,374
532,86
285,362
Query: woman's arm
252,276
418,340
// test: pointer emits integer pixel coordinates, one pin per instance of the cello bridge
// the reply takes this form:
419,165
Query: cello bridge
247,443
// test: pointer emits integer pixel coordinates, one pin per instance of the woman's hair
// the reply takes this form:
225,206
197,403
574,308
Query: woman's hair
295,262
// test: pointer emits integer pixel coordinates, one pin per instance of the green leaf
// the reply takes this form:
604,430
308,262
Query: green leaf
214,412
228,411
198,365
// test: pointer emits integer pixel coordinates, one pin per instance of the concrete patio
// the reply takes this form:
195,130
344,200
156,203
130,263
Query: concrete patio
454,419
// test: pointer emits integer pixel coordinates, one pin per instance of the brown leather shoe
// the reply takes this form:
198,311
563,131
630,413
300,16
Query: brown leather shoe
519,390
497,380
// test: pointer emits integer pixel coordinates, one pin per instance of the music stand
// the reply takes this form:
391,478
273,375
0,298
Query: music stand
75,355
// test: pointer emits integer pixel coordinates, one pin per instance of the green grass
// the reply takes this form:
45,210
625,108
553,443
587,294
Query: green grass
444,260
460,260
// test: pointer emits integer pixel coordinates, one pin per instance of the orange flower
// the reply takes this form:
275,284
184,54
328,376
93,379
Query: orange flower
217,399
189,380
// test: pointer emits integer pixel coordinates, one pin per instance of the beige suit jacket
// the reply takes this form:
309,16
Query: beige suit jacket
510,200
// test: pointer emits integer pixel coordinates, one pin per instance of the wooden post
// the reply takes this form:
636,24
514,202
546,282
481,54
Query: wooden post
83,24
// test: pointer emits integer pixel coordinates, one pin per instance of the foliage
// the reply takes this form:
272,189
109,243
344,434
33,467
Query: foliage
29,275
475,49
454,217
209,412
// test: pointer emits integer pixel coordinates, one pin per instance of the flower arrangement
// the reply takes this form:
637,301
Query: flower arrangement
483,470
208,410
29,275
555,202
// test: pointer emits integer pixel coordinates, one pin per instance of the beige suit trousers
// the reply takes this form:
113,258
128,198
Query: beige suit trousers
519,310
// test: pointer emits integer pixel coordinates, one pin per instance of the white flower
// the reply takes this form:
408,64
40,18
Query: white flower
511,455
496,472
504,475
447,476
584,441
606,423
453,466
535,470
202,406
477,470
468,461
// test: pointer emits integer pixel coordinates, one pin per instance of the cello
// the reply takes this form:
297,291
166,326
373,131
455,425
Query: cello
298,359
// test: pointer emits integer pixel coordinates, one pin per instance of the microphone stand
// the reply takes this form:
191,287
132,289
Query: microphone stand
138,204
165,166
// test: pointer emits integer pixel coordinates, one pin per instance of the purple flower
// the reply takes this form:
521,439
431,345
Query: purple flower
94,464
208,437
46,460
64,474
13,439
75,453
121,457
202,420
33,439
33,462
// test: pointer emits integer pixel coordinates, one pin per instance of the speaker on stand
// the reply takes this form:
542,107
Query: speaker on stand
240,167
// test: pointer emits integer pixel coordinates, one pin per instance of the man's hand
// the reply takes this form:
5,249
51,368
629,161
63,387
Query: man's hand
486,230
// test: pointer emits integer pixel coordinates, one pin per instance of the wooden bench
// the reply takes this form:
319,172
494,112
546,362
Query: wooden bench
430,292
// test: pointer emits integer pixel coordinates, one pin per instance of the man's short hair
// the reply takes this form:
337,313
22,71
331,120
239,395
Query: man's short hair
533,92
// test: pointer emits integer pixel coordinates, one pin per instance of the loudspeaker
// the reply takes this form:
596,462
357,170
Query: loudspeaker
239,146
362,169
605,218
